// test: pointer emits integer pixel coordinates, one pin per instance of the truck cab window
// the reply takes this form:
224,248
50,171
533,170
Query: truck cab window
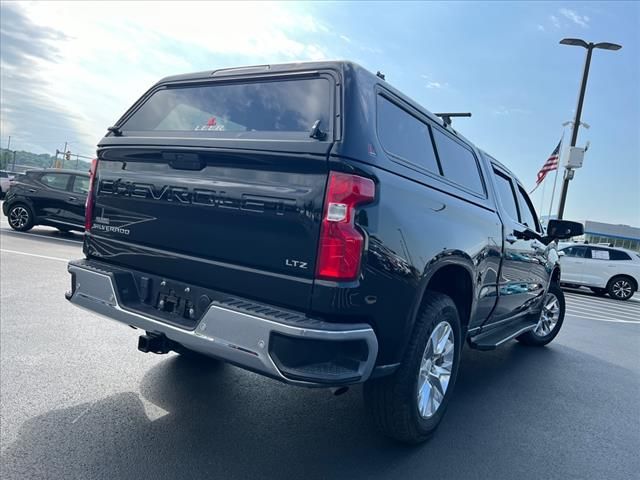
506,194
528,215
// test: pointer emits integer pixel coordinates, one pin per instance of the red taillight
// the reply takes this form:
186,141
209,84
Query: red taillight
341,243
88,208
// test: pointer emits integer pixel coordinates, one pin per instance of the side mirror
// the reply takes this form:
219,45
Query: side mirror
563,229
561,254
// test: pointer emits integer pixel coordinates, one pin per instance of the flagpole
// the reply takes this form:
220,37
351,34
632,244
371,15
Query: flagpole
555,179
553,192
544,184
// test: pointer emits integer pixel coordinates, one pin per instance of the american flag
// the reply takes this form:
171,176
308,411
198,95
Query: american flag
550,165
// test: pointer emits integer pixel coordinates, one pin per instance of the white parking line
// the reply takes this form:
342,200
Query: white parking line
604,301
603,309
4,250
594,314
601,319
600,298
600,309
35,234
630,313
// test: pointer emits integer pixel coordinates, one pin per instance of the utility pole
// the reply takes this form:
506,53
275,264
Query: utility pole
576,42
6,156
64,153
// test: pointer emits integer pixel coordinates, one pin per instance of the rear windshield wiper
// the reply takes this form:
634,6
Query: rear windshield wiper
316,131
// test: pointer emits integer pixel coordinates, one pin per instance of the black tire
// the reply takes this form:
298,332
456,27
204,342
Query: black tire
392,401
621,287
20,217
599,291
538,337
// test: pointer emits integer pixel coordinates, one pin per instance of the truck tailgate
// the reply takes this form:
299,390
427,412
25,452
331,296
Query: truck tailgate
244,223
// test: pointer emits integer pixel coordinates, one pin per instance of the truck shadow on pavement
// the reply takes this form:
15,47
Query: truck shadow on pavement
513,408
45,234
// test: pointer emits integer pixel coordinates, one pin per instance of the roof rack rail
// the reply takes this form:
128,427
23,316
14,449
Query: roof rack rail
446,117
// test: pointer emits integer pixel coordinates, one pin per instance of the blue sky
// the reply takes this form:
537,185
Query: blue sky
70,69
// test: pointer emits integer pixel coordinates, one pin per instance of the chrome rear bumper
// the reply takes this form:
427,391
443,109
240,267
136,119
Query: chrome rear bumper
238,337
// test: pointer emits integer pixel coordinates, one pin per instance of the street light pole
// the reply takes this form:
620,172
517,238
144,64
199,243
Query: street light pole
576,126
568,173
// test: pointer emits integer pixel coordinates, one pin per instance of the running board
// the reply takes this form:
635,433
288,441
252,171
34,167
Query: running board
495,337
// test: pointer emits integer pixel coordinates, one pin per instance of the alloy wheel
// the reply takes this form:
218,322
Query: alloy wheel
18,217
435,369
549,316
622,289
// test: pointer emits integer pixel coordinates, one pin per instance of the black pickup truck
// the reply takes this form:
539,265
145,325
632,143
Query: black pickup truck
311,223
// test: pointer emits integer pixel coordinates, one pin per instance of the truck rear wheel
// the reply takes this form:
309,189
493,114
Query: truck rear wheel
550,321
409,404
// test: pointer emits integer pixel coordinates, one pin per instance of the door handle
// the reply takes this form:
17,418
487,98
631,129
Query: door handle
511,238
32,190
73,199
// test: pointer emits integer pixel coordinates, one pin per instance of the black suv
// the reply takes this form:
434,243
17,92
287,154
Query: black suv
50,197
311,223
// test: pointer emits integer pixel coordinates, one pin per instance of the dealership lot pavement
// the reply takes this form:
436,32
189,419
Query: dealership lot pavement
77,400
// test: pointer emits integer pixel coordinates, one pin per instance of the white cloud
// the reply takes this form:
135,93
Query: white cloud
345,38
503,111
541,28
555,21
432,83
111,52
581,20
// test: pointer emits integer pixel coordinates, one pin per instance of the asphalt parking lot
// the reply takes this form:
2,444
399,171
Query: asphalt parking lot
78,401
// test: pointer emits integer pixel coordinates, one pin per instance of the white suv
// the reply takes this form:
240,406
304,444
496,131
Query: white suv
5,182
604,270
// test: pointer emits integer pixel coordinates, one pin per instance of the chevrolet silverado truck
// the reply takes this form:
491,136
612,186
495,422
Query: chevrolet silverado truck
311,223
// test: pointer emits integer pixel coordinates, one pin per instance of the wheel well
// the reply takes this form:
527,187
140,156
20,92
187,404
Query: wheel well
21,203
628,277
455,281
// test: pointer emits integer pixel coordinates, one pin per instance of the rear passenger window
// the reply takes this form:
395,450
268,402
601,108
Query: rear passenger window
618,255
599,253
575,251
506,194
458,163
404,136
57,181
81,185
